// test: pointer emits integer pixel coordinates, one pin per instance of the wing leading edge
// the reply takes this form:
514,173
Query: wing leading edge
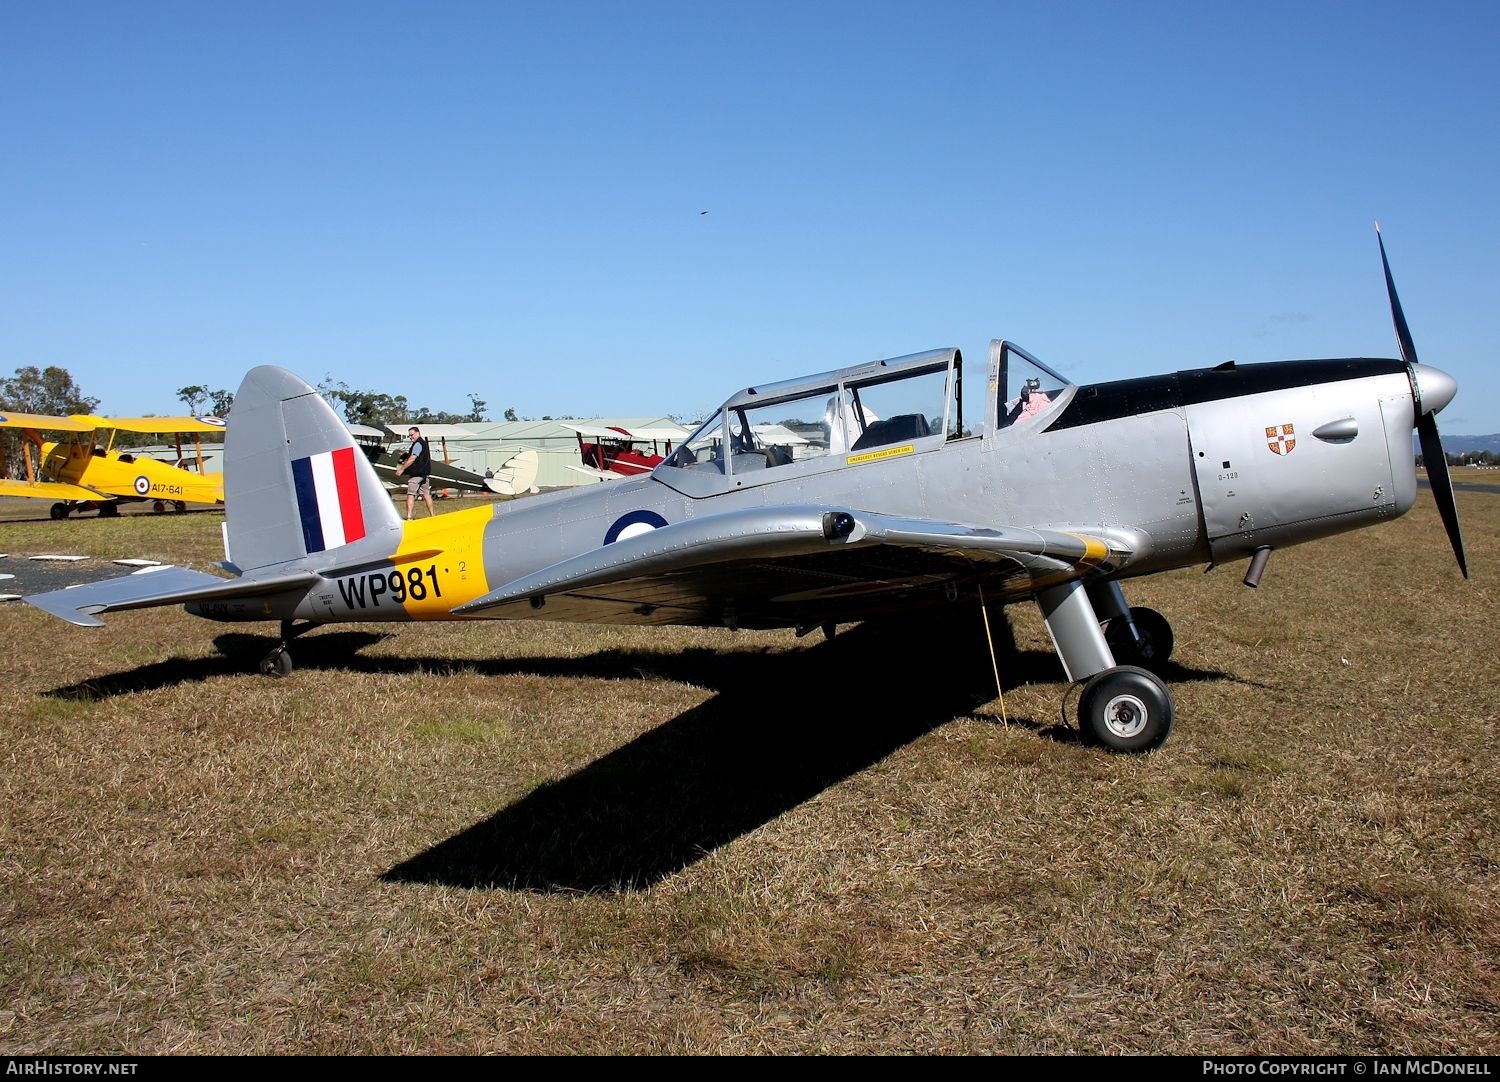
793,566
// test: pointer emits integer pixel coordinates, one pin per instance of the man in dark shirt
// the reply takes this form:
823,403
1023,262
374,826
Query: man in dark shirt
417,465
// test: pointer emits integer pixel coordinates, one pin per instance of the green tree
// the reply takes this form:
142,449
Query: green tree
193,397
44,390
48,390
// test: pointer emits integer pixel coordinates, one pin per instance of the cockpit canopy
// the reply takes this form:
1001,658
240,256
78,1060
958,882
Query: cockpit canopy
853,412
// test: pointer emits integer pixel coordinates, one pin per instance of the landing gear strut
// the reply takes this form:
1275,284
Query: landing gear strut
278,662
1123,707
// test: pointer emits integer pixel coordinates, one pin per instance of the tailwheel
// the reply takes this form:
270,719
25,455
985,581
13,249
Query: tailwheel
59,510
277,663
1149,648
1125,709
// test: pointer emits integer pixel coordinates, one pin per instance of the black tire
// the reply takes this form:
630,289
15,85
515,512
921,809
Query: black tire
59,511
179,506
109,510
159,506
1125,709
1155,646
277,663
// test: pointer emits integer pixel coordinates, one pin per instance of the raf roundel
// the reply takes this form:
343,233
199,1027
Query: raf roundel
637,522
143,484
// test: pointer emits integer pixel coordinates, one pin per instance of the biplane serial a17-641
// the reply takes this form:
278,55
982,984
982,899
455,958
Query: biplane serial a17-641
77,472
1050,492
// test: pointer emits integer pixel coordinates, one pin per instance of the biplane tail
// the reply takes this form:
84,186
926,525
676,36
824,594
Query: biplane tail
517,476
295,485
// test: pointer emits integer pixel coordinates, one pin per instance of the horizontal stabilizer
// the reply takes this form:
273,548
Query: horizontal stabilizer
156,586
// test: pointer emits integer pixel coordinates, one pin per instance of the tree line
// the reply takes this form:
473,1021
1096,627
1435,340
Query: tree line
1469,458
53,391
49,391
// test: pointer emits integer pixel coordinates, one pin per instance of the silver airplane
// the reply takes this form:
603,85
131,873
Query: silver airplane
904,489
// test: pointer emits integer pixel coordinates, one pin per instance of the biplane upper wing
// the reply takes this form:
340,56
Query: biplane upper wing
782,566
43,422
152,425
619,432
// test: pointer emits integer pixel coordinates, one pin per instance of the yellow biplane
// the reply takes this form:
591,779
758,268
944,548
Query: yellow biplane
78,472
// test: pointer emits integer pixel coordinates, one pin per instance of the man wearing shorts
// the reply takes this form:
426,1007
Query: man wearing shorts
418,461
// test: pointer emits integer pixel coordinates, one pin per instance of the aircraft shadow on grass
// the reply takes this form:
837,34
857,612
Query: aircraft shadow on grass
657,804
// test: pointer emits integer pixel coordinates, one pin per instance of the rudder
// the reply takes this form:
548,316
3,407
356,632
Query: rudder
295,485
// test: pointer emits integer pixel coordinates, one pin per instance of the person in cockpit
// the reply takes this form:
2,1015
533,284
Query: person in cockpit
1031,401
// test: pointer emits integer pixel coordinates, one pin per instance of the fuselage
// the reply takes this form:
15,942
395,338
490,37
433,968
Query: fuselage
1201,466
127,476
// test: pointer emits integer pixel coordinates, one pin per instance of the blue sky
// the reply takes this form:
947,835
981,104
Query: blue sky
440,199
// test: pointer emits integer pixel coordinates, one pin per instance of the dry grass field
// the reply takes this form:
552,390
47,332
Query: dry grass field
491,838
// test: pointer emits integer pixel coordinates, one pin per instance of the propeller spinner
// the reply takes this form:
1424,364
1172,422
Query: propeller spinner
1432,389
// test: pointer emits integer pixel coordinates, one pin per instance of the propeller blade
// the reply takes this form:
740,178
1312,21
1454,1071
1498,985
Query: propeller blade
1442,485
1403,333
1440,387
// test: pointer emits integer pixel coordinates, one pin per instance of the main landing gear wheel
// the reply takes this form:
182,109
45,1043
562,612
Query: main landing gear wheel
1151,650
159,506
1125,709
277,663
109,510
179,506
59,511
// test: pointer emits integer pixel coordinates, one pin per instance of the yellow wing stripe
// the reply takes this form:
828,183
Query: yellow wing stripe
1095,551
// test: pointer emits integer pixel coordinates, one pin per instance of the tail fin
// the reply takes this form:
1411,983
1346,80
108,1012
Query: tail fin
516,476
294,483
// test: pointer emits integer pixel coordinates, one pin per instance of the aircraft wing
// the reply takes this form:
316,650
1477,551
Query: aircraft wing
590,471
791,566
43,422
443,475
617,432
597,431
156,586
152,425
49,490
